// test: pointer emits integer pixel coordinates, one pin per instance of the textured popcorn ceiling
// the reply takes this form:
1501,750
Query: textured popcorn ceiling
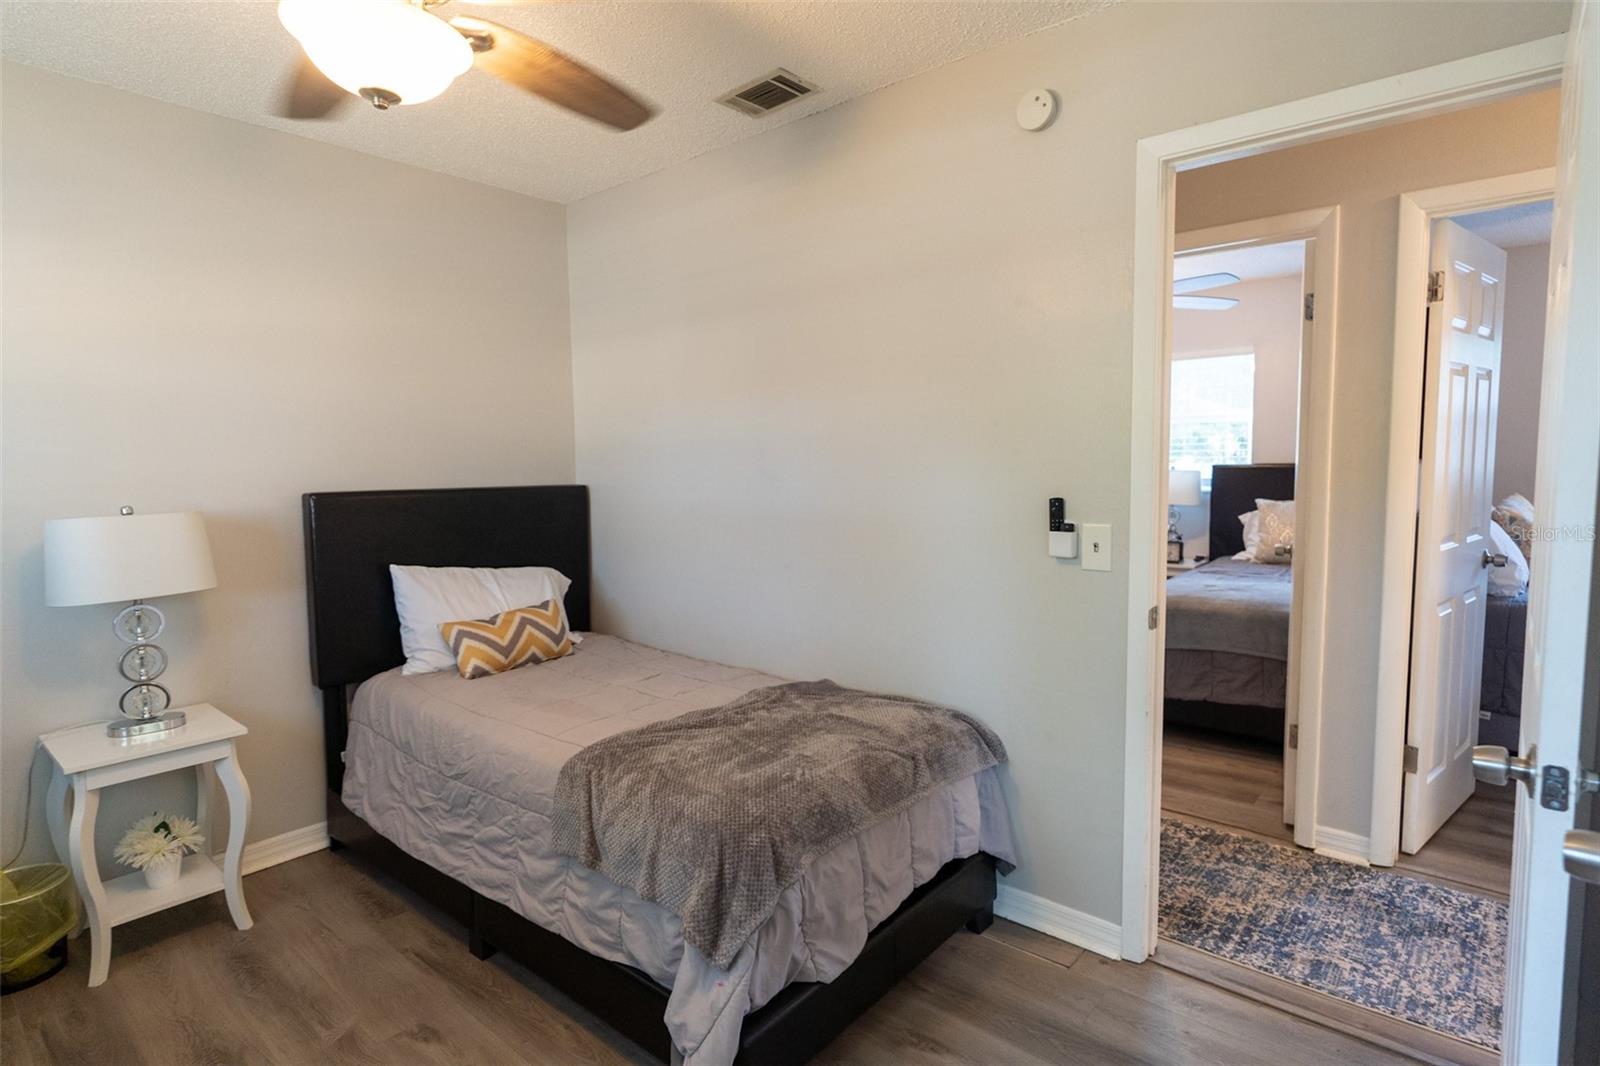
231,58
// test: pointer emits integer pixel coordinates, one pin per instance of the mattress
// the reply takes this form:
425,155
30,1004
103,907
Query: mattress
460,774
1228,633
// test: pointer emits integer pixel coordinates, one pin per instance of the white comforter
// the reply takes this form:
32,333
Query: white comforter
460,774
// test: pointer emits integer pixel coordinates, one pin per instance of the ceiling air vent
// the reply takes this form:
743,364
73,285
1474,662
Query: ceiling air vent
768,93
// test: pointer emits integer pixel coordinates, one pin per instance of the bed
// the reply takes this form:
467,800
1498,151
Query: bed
446,784
1505,628
1227,652
1228,629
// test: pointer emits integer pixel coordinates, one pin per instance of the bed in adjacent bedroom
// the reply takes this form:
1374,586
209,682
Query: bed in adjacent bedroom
1227,650
462,788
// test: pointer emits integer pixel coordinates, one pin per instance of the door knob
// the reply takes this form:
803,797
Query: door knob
1497,766
1493,559
1580,854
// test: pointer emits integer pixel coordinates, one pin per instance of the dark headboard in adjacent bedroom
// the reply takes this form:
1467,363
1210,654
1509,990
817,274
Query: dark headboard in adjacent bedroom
352,537
1234,491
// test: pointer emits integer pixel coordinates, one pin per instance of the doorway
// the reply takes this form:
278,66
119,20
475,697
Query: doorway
1242,342
1341,826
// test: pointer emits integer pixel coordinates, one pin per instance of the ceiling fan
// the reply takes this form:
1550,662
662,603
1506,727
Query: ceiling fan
1182,301
398,52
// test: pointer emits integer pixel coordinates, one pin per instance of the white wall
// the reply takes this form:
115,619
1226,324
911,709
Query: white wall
204,314
1364,174
1267,321
1521,367
827,378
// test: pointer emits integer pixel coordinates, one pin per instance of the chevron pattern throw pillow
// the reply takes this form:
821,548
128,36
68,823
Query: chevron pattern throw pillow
508,640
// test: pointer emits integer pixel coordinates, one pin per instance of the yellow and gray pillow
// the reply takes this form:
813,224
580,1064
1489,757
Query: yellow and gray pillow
508,640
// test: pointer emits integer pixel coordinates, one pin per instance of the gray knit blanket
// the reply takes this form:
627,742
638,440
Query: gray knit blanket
714,813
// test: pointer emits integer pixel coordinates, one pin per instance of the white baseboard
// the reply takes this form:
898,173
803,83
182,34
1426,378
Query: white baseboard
1344,846
260,854
1063,923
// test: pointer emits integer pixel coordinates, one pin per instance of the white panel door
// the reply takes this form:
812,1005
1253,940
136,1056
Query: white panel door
1541,953
1461,395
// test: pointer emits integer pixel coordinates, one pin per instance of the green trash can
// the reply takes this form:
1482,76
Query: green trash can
37,910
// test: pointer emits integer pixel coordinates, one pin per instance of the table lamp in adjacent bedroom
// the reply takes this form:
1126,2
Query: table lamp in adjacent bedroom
130,557
1183,490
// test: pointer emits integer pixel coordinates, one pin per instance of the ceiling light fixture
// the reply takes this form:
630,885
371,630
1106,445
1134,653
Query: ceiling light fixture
385,51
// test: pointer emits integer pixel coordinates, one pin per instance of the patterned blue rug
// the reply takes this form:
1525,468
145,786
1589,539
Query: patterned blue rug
1406,947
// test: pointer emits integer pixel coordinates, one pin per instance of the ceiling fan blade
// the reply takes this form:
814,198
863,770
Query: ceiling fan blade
1202,303
541,70
1203,281
311,94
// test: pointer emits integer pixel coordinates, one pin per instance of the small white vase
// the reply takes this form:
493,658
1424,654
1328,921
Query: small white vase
164,873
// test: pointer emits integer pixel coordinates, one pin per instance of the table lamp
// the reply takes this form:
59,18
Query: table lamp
1183,490
130,557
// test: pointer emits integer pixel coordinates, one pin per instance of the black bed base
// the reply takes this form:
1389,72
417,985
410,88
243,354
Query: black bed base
799,1022
1241,720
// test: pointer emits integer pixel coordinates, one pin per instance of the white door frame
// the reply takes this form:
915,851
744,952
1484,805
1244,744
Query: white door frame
1417,213
1313,431
1447,86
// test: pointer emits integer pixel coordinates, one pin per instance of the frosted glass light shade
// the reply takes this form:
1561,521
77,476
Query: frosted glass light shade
378,44
1183,488
125,557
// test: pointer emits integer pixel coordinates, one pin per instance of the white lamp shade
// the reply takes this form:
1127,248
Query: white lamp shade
1183,488
125,557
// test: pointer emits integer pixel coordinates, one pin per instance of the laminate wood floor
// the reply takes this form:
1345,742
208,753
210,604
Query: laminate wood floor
1239,783
346,967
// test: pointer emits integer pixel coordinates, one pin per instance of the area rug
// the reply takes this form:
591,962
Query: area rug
1406,947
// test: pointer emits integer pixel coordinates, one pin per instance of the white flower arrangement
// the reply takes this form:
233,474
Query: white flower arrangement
158,838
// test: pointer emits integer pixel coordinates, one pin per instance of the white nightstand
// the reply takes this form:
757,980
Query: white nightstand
1183,567
85,760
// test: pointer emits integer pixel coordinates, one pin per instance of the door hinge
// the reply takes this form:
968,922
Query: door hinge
1154,617
1294,736
1411,758
1435,286
1311,306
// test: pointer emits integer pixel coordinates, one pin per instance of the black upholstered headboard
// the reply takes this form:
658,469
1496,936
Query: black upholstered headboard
1234,490
352,537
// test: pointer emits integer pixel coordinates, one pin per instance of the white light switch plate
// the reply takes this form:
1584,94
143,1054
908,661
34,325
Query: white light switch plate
1096,547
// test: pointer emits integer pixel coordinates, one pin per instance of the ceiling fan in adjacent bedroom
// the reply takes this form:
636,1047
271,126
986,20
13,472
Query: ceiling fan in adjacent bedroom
398,52
1182,301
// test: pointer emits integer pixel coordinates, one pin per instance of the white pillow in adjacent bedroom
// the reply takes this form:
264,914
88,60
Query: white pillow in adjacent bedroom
1276,543
1512,578
1251,521
425,597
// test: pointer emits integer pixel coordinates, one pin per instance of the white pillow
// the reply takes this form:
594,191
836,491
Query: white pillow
1512,578
1276,524
1252,535
425,597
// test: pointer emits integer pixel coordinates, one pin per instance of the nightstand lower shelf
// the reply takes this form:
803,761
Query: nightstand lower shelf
129,896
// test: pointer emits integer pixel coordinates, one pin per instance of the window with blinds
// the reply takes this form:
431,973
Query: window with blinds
1213,411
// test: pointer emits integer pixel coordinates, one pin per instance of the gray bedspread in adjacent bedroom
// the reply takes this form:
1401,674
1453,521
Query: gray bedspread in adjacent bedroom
1505,631
462,775
1230,606
1228,634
